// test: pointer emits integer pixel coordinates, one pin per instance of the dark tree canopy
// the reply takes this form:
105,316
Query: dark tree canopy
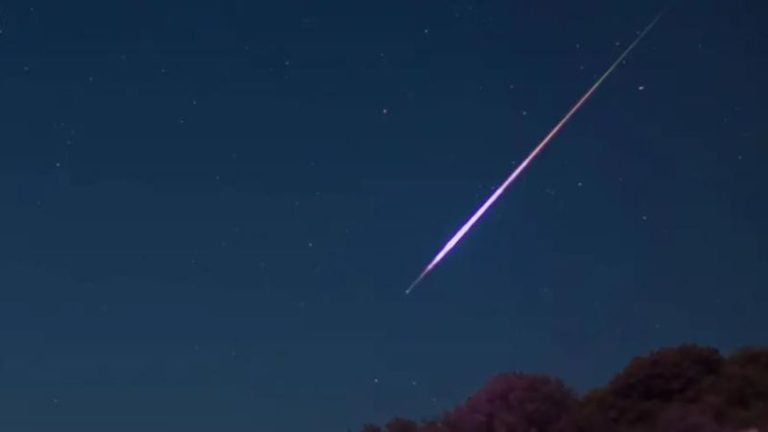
688,388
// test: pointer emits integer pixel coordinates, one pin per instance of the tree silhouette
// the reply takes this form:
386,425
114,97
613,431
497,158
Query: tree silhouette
512,402
689,388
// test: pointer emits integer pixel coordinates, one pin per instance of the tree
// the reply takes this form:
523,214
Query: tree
398,424
513,402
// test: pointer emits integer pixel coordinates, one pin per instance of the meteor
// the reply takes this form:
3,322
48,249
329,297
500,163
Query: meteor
547,138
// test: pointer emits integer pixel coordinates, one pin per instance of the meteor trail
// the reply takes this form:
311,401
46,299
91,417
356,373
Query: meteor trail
547,138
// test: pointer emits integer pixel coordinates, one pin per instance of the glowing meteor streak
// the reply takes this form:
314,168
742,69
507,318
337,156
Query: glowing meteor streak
468,224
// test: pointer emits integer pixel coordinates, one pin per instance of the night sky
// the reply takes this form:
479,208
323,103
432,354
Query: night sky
211,209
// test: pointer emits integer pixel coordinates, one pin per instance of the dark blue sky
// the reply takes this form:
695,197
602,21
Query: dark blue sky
210,209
